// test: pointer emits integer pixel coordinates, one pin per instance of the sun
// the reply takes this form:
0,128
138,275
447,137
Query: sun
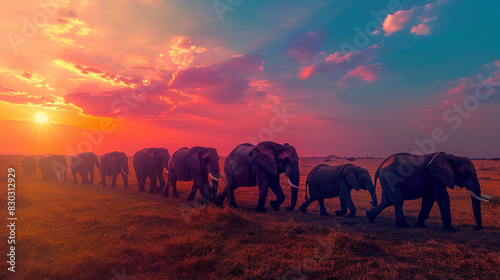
41,118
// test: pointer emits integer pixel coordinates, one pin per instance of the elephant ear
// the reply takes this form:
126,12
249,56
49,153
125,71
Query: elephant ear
151,159
441,169
264,156
350,177
193,160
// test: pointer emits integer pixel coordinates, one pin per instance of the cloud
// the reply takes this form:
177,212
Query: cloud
179,54
222,83
421,29
401,19
66,31
24,98
467,86
367,73
339,62
397,21
305,46
27,77
99,74
115,104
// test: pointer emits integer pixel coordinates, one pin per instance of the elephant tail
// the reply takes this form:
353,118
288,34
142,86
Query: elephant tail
375,179
307,181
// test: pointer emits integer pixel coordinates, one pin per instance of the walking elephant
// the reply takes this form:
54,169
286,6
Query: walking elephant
83,164
150,163
407,176
29,165
331,181
53,166
194,164
248,165
112,164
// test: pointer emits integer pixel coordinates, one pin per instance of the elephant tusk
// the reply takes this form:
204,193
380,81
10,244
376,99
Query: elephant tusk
126,174
212,176
477,197
485,196
290,182
164,169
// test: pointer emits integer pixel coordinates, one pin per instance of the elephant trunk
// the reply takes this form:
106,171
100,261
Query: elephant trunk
371,190
295,192
215,184
124,172
476,199
293,179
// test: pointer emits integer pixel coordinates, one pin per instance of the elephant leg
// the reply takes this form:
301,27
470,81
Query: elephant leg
373,213
85,177
219,199
152,179
194,190
174,189
343,209
322,209
280,196
348,202
230,196
125,181
443,200
303,207
425,210
103,179
92,175
74,178
400,217
142,183
113,181
263,181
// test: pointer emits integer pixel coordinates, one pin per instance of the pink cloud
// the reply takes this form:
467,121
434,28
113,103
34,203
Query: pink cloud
426,20
223,83
367,73
113,104
467,87
396,21
13,96
463,84
339,62
99,74
304,47
421,29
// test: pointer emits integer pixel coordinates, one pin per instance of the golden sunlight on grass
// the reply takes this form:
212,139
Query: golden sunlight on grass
41,118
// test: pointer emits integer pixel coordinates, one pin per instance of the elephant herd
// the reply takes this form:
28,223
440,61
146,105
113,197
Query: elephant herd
402,177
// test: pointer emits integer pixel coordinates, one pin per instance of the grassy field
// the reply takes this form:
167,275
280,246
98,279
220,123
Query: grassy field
68,231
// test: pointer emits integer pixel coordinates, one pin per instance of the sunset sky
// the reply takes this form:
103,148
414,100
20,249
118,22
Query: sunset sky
369,78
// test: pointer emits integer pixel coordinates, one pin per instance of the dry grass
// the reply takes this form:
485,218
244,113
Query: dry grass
69,231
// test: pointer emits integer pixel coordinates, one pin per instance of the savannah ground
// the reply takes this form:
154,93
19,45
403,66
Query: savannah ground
68,231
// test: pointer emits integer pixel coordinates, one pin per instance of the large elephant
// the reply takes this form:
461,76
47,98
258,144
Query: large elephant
29,165
194,164
53,166
331,181
248,165
406,176
149,163
112,164
83,164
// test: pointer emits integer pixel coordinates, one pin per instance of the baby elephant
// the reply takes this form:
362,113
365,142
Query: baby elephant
331,181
